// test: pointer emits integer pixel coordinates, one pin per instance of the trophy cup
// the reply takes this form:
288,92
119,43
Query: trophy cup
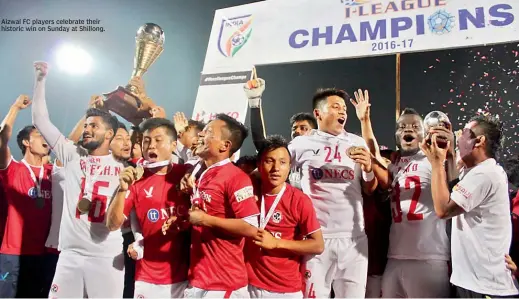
437,119
128,101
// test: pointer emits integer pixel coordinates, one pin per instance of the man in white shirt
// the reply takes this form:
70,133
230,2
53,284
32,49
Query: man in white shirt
336,168
480,211
91,262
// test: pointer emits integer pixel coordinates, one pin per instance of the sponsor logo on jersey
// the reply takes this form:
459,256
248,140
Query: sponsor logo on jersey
462,191
332,173
149,192
54,288
276,218
153,215
33,192
244,193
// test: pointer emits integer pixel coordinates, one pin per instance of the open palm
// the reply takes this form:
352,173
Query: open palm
361,103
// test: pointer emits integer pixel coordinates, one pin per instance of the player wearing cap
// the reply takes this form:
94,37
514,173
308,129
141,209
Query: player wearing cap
336,168
27,188
90,254
418,244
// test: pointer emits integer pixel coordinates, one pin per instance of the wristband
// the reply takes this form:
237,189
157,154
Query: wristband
368,176
255,102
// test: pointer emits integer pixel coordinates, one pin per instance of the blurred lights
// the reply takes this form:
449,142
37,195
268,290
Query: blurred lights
73,60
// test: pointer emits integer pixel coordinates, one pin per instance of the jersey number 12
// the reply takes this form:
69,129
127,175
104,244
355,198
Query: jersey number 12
397,209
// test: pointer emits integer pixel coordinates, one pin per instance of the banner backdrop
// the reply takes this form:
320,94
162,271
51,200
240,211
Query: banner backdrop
291,31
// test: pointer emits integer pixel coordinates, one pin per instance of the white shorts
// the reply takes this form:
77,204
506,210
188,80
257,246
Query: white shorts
151,290
416,279
261,293
193,292
343,265
374,286
79,276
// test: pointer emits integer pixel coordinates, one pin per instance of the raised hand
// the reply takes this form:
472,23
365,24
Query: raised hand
362,104
254,89
180,121
137,86
22,102
41,69
157,112
97,101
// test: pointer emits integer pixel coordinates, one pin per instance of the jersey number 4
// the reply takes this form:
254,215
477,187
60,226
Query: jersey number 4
397,210
98,206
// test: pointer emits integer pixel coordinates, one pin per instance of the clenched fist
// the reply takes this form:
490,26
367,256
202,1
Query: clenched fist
41,69
254,90
128,176
22,102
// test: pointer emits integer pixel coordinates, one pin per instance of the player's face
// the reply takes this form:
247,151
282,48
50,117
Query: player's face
300,128
95,133
332,116
210,140
157,145
190,138
36,144
467,142
121,145
274,167
409,133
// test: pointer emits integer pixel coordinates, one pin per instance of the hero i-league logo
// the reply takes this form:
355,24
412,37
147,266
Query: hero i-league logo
234,34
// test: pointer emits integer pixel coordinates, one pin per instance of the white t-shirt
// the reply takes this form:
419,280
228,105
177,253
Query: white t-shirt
482,235
58,185
332,180
416,232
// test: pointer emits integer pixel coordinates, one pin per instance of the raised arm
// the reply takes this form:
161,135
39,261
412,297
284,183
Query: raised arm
40,114
363,109
6,128
254,90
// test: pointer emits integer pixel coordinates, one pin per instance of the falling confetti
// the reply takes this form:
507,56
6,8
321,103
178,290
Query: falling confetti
489,76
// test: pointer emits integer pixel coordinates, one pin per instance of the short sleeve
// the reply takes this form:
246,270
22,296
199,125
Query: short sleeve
292,148
241,196
129,202
5,173
308,222
470,192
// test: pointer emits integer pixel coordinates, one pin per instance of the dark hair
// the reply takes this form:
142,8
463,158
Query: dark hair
120,125
238,132
410,111
246,160
511,166
153,123
386,153
492,129
271,143
109,120
198,125
323,94
22,135
304,116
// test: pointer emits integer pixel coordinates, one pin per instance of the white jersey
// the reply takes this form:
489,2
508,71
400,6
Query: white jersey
481,236
98,176
332,180
58,185
416,232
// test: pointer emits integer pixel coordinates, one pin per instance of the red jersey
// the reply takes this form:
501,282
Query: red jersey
3,213
155,198
27,226
217,261
293,219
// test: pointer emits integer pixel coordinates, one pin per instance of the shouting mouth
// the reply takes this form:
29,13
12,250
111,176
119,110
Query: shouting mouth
342,120
408,138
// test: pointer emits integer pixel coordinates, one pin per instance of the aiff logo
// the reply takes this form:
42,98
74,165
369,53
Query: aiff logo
234,34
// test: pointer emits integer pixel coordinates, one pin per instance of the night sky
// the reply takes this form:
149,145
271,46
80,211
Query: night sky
460,82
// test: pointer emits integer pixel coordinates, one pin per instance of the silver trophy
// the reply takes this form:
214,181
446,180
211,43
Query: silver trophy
437,119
